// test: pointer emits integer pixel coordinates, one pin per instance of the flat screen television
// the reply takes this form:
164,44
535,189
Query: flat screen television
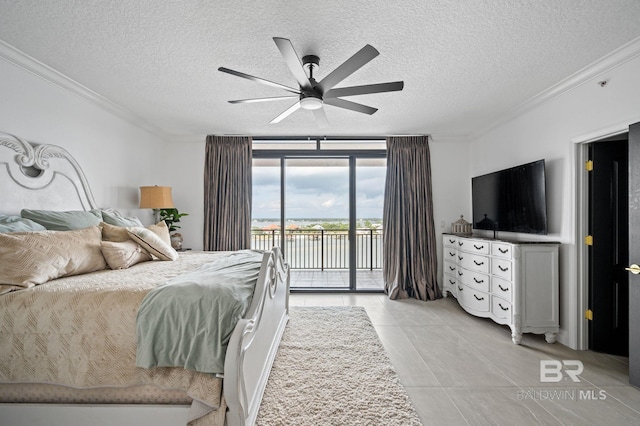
511,200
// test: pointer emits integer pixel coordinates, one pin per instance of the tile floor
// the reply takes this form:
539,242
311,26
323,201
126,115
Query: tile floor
463,370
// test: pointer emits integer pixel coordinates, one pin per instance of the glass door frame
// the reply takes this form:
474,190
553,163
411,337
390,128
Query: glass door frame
319,152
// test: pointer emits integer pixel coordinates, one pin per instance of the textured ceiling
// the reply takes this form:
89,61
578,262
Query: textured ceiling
464,63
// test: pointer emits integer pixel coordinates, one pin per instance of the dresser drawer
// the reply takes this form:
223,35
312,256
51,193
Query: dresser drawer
473,299
500,308
450,254
502,250
502,268
501,288
474,246
450,241
451,285
449,268
473,262
477,280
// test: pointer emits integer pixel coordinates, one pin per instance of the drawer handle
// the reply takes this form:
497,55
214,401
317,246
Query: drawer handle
460,288
502,307
478,281
459,273
505,269
478,248
478,263
503,251
452,241
452,268
452,282
452,254
460,257
503,289
478,298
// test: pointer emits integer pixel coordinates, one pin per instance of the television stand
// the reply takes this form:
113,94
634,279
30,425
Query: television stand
513,283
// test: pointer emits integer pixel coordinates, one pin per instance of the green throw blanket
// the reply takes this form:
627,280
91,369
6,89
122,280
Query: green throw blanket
188,321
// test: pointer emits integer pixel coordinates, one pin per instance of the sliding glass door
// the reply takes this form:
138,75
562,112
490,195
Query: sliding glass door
317,221
323,208
369,188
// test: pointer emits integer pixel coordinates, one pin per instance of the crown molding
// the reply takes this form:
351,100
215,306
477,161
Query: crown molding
22,60
618,57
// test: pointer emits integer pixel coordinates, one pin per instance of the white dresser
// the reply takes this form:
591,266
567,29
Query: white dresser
513,283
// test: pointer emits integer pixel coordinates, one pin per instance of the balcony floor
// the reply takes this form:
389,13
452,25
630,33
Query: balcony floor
333,279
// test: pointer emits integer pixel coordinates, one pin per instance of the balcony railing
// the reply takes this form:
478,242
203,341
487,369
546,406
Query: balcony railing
321,249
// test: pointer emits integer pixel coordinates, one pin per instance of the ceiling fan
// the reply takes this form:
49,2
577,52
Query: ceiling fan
313,95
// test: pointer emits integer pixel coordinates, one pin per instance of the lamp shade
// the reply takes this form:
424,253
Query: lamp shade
156,197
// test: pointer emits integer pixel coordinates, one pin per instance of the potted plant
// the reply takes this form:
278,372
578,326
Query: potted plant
171,217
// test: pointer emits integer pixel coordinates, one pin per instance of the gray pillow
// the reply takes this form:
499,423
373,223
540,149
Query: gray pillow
18,224
113,217
63,220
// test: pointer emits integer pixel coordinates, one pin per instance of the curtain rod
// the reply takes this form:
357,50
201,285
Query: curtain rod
323,137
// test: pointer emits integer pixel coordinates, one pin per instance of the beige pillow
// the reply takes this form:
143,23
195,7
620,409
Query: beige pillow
7,288
121,255
114,233
153,243
32,258
161,230
119,233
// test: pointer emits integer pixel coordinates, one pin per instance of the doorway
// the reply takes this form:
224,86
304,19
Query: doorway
608,246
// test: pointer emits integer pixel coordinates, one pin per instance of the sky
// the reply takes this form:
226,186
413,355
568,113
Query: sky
317,192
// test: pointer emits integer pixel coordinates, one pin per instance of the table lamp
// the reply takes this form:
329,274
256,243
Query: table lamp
156,198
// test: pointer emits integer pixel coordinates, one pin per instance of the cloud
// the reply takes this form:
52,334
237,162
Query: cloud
318,192
329,203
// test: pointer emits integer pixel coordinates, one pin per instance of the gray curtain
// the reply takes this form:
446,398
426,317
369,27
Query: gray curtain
410,264
227,193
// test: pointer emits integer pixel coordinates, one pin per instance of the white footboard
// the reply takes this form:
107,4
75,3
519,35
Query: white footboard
254,342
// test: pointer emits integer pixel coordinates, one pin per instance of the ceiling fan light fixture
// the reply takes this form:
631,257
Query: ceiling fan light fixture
310,103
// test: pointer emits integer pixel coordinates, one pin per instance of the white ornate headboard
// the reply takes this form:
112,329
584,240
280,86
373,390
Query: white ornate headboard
37,176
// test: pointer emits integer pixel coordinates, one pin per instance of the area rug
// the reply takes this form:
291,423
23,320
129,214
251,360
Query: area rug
331,369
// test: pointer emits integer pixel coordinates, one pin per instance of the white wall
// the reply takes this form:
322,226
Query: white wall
184,166
116,156
549,131
451,187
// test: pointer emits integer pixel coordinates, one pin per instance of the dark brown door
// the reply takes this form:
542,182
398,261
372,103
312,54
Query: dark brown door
608,257
634,254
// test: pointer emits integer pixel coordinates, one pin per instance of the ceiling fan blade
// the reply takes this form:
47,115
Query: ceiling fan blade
341,103
351,65
254,100
259,80
364,90
293,108
321,117
293,62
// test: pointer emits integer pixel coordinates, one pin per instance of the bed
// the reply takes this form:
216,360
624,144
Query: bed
70,345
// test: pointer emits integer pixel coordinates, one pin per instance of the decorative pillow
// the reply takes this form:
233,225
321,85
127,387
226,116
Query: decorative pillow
18,224
7,288
113,217
161,230
63,220
32,258
119,233
152,242
113,233
121,255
